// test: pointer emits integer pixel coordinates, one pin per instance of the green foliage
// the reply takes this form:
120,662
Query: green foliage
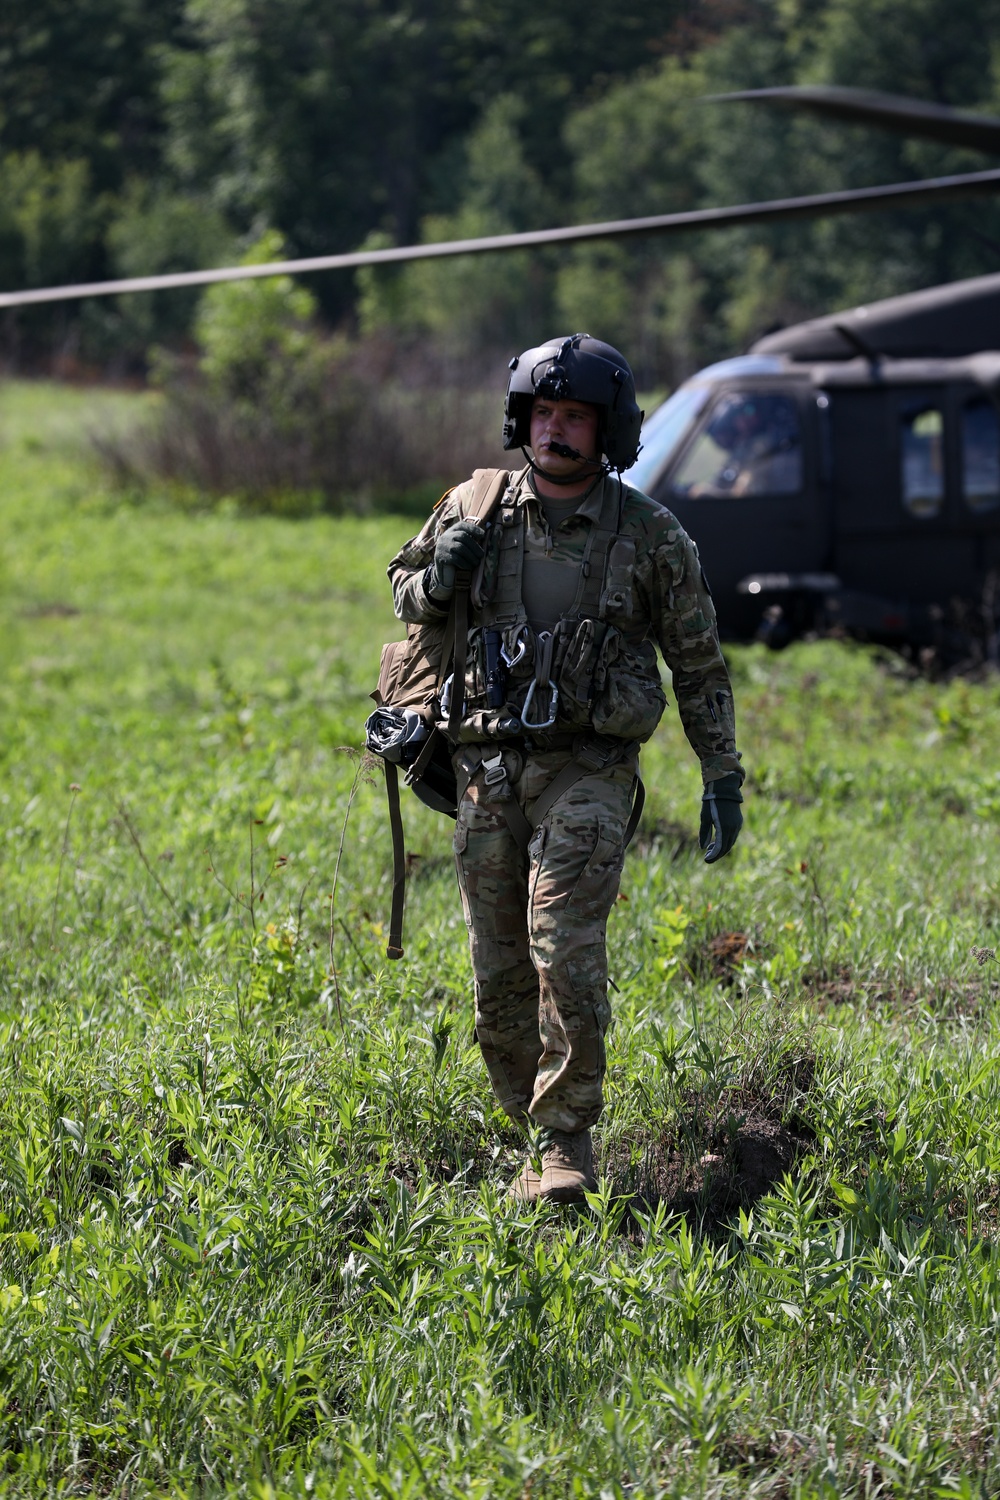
152,232
248,1250
477,302
139,137
255,335
47,220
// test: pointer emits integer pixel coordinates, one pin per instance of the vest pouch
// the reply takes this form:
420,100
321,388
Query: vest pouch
475,673
576,663
619,574
628,698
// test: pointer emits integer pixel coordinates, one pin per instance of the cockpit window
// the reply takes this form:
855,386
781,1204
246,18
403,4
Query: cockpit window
661,434
980,455
922,459
750,445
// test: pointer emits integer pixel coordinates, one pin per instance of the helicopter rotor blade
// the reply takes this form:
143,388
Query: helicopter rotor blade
912,117
818,205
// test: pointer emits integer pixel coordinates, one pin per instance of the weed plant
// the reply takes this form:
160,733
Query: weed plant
253,1232
338,427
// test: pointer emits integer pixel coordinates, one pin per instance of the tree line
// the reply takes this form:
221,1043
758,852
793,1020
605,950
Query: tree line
140,136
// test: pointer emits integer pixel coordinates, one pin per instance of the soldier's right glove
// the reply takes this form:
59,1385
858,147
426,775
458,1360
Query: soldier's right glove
721,819
457,549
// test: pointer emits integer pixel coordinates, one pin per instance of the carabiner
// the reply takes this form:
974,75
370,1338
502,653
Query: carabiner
446,688
553,705
520,652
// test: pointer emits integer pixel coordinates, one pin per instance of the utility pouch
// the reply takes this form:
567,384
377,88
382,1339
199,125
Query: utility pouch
628,698
617,596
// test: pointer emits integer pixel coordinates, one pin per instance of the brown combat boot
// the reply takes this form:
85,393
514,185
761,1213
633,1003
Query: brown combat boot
567,1166
528,1183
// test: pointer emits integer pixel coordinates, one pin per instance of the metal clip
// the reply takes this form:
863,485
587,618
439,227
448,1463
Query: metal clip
520,651
494,770
446,688
496,784
544,645
553,706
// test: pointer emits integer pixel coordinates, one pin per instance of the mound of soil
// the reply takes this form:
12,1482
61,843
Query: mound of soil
724,953
709,1170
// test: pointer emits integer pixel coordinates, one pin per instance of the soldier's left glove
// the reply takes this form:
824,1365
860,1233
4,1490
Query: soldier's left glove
721,819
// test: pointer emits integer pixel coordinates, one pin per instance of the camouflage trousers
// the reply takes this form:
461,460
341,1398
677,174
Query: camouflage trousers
537,931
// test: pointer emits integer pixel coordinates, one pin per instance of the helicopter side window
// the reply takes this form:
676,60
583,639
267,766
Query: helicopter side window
980,455
751,445
922,459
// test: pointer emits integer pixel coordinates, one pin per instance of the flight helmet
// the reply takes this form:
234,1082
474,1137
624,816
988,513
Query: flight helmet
576,368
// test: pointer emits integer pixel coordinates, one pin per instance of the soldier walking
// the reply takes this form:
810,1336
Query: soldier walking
576,579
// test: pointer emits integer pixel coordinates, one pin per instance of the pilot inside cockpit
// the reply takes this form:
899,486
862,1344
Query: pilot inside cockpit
750,445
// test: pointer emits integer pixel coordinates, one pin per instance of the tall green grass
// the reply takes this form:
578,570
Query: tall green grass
253,1231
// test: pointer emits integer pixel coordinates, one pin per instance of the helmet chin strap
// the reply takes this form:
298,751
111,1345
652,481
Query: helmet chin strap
600,464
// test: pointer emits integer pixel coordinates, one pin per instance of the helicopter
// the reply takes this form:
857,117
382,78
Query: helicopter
841,476
844,475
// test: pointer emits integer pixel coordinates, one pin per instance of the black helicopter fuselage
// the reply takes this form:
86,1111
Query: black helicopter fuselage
856,491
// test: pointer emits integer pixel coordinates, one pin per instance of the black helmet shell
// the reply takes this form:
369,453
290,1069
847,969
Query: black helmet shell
576,368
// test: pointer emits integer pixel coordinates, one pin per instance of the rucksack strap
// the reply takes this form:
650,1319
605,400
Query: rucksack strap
488,486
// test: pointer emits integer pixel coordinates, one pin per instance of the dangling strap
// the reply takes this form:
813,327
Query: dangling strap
394,947
638,803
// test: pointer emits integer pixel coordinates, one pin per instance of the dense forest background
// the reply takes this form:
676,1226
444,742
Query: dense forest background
140,136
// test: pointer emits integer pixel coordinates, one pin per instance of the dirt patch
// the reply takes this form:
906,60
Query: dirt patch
953,999
714,1164
428,867
721,956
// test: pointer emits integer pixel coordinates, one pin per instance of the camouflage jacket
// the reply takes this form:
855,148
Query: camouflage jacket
668,603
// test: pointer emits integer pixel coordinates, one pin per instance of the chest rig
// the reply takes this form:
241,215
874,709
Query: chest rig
544,683
545,676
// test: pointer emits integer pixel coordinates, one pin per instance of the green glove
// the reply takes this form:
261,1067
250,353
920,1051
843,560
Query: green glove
721,819
457,549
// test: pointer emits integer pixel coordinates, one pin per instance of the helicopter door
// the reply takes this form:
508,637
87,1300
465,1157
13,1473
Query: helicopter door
978,501
745,486
898,534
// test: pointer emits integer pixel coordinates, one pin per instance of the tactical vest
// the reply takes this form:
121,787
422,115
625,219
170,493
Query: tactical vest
584,675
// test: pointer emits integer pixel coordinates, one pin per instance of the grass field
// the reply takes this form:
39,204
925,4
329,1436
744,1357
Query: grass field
253,1234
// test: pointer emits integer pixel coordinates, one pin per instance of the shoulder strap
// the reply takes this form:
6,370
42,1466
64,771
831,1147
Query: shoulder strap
487,487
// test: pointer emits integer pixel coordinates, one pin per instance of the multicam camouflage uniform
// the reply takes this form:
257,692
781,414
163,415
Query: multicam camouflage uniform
537,920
